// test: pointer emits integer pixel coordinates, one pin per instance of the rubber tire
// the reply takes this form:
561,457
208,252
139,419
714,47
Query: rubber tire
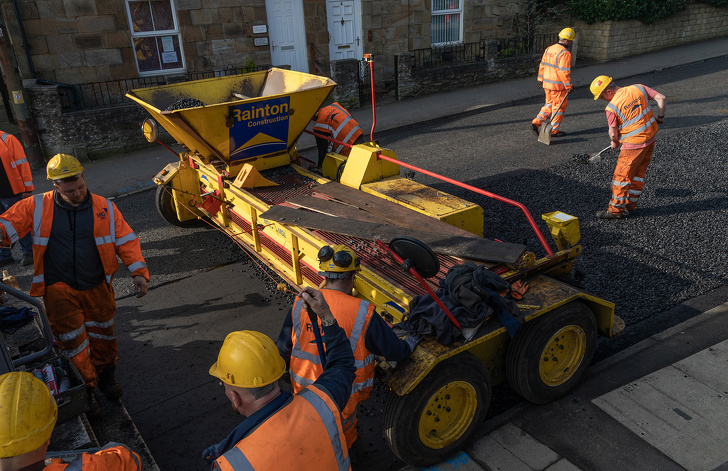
165,208
402,413
524,356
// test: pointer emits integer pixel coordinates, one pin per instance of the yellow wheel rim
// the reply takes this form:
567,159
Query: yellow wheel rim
563,355
448,414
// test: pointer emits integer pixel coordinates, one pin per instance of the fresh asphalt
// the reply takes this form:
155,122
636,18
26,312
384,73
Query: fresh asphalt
660,404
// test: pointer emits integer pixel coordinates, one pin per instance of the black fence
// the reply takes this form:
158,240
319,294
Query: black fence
96,95
464,53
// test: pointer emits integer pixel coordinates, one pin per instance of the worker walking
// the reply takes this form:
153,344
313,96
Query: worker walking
16,183
632,124
28,414
76,239
281,430
368,333
554,74
335,122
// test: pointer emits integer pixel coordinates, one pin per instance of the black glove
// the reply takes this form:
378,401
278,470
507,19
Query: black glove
660,119
412,340
539,84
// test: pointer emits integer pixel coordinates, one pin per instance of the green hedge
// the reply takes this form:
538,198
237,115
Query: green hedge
647,11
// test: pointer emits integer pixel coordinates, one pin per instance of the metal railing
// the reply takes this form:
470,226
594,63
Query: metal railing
464,53
113,92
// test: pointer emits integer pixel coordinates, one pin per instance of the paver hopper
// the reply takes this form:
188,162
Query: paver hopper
251,118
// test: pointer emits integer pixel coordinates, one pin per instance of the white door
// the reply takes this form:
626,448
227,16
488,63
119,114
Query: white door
344,23
287,36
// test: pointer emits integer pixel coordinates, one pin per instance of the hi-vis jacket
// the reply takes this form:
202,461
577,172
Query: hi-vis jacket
631,105
36,214
15,164
309,422
305,361
335,122
555,68
113,456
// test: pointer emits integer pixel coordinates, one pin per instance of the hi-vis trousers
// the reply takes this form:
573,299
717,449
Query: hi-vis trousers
83,323
553,98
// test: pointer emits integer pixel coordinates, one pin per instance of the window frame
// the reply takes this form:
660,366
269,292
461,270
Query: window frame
450,11
156,34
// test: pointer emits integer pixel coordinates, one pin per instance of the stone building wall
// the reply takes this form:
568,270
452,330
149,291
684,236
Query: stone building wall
616,39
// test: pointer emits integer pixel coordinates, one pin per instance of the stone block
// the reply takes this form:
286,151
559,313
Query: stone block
188,4
38,45
201,17
214,32
46,62
97,57
111,7
59,43
225,15
222,46
233,30
49,9
77,75
89,41
40,26
76,8
28,10
193,33
96,24
65,25
118,39
70,59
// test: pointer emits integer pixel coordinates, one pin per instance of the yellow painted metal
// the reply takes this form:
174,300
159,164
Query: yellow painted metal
363,166
185,189
331,165
564,229
295,254
275,95
250,177
447,415
436,204
254,225
562,355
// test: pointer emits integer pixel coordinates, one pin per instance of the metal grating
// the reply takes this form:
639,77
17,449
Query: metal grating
280,252
384,265
291,184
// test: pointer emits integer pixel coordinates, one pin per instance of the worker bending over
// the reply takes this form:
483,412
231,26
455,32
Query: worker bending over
554,74
281,430
632,124
335,122
28,414
76,239
368,333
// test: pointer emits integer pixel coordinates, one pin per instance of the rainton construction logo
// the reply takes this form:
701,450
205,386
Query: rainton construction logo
259,128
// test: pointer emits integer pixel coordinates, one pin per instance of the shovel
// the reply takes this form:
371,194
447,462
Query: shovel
544,131
596,157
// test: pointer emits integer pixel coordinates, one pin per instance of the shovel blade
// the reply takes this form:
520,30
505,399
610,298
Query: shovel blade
544,133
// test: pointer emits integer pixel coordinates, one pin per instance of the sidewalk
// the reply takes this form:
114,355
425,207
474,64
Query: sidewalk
660,404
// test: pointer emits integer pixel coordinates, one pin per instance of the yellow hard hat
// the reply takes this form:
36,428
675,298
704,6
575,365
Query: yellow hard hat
248,359
28,413
63,166
599,84
567,33
337,259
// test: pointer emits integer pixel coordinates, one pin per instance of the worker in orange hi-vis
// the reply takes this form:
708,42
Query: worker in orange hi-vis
633,124
335,122
554,75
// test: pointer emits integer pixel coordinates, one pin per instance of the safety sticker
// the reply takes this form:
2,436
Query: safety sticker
259,128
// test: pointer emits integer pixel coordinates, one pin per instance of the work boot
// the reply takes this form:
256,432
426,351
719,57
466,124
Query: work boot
94,409
27,259
534,129
108,385
558,134
604,214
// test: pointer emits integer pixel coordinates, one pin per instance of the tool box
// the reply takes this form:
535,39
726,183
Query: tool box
31,348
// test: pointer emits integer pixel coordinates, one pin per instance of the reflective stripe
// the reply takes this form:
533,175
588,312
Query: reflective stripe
20,161
12,234
76,464
616,183
301,380
638,179
28,183
131,453
329,421
112,225
38,279
108,278
237,459
104,240
356,387
71,335
638,130
103,325
365,362
356,331
635,192
349,422
126,238
5,137
99,336
619,198
616,205
136,266
75,351
37,216
634,199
